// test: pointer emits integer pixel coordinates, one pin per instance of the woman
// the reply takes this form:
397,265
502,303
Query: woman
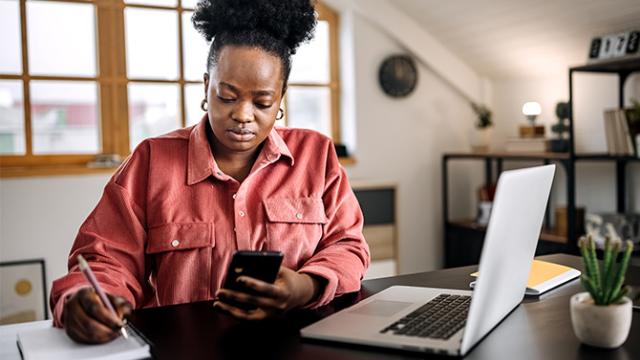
174,213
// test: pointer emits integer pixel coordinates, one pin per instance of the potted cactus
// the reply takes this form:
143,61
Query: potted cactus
601,316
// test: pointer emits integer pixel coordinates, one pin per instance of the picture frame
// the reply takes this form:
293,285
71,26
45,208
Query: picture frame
23,291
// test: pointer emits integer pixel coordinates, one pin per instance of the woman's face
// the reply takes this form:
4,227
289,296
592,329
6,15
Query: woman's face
243,92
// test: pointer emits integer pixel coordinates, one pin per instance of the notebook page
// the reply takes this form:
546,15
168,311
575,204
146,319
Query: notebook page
53,343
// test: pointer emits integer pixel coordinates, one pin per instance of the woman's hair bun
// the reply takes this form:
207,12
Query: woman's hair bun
291,21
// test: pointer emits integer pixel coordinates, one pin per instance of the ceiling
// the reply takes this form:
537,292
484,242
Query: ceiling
521,38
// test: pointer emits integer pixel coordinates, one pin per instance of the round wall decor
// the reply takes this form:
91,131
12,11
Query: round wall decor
398,75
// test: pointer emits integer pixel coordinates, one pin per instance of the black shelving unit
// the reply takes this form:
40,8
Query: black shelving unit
463,237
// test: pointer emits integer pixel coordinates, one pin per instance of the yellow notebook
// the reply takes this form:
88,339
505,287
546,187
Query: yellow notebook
544,276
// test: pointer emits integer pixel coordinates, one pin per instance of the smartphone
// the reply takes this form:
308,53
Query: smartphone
261,265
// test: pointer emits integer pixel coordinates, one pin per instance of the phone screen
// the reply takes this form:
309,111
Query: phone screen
261,265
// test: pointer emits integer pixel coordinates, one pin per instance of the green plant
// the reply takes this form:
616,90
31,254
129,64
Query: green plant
604,283
484,115
562,112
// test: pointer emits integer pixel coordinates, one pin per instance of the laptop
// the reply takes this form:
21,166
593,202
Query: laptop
449,321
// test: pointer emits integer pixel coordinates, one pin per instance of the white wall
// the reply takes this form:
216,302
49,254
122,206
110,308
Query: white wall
39,217
401,140
425,47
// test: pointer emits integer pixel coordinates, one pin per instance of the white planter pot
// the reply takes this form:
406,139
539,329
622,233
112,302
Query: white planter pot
481,139
601,326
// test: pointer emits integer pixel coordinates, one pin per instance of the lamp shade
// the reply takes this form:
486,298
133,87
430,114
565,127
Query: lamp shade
531,108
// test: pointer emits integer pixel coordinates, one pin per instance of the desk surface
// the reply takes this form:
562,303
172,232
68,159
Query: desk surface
540,328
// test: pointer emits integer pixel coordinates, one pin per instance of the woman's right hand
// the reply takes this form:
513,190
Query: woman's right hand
87,320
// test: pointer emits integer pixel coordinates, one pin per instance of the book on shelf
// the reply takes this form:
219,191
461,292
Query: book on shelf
609,133
527,145
621,131
544,276
627,142
633,122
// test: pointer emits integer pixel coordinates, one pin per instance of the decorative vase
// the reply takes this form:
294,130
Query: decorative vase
600,326
481,139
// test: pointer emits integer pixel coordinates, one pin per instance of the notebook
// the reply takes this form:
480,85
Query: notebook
53,343
545,276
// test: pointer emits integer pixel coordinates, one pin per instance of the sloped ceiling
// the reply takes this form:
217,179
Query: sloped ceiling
521,38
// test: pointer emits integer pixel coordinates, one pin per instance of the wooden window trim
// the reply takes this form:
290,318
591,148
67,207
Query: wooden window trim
331,17
109,104
112,83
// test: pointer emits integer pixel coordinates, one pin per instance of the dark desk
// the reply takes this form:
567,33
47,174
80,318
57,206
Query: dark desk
540,328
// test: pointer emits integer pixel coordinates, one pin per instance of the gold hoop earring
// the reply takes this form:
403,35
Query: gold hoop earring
203,105
280,114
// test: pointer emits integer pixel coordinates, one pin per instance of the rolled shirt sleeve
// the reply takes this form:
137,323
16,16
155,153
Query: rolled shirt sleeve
111,239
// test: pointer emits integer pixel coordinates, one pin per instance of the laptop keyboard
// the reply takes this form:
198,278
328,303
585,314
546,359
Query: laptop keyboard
440,318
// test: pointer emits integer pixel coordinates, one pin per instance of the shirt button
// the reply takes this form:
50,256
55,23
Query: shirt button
235,230
175,243
233,196
241,213
299,216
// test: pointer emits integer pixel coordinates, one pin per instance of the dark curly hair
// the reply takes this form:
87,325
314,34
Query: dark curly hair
276,26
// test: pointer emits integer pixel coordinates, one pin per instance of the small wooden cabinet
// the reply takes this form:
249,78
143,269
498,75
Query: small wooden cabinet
378,204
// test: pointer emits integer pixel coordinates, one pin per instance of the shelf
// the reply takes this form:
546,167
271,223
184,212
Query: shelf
347,160
540,156
53,170
546,234
605,157
509,155
463,239
611,66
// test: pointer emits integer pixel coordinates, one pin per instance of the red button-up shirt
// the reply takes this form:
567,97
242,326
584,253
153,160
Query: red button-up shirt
169,220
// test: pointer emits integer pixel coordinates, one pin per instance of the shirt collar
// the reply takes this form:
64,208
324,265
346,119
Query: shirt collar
275,147
201,163
200,160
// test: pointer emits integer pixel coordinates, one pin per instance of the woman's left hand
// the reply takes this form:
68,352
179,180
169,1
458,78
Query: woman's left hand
290,290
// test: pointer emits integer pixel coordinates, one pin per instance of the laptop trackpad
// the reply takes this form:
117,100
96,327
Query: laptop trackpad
381,308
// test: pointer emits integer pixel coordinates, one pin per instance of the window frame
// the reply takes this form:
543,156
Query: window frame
112,83
331,17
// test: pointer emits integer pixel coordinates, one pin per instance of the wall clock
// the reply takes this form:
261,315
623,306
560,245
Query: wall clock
398,75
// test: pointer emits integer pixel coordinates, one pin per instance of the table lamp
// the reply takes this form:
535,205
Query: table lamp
531,110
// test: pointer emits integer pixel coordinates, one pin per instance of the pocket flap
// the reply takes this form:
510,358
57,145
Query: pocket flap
298,210
175,237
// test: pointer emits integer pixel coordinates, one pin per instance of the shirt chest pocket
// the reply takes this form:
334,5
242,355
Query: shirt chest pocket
294,226
181,257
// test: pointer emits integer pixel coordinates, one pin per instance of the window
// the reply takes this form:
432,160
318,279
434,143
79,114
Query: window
49,83
312,100
112,73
